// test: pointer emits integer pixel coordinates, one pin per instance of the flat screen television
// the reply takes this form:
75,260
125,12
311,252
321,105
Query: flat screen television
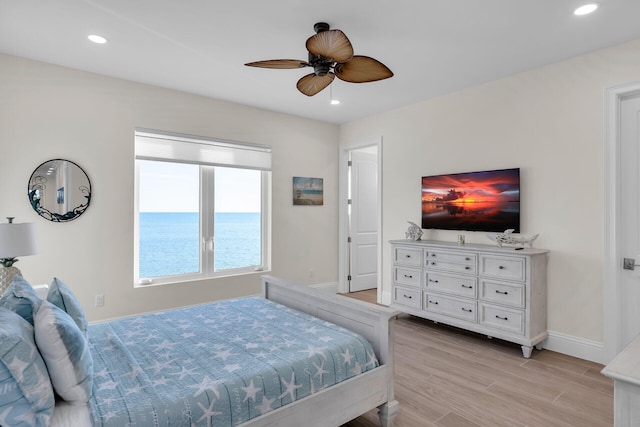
472,201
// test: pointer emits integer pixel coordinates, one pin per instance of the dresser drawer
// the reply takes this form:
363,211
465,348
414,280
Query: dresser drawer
408,256
449,283
407,276
451,257
451,267
512,294
407,296
459,308
502,318
503,267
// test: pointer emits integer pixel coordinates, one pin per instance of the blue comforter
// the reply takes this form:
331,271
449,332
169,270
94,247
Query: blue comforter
218,364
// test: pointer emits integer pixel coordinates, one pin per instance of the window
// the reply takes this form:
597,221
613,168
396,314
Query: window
202,208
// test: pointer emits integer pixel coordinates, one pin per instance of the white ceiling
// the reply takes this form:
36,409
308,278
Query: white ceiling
434,47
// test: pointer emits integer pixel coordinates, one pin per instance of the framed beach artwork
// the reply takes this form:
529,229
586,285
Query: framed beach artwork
307,191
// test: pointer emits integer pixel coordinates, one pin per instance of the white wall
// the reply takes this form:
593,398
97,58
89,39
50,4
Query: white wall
550,123
49,112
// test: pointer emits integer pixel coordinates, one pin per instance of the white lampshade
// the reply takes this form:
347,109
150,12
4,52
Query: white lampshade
18,240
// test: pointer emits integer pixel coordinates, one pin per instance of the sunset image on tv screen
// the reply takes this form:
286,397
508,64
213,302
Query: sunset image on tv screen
473,201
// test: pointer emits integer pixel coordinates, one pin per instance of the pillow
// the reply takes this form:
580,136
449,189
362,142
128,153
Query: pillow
21,298
60,295
65,351
26,396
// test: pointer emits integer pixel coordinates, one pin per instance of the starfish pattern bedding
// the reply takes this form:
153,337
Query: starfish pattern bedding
219,364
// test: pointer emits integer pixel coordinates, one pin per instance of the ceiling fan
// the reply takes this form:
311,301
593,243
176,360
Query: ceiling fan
330,55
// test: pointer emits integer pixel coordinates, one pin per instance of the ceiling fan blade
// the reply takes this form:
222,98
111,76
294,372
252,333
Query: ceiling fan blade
331,44
279,63
361,69
312,84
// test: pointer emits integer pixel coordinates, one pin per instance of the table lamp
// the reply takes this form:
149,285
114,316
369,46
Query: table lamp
15,240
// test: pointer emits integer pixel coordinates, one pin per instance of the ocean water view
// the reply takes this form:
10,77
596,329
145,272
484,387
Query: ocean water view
170,242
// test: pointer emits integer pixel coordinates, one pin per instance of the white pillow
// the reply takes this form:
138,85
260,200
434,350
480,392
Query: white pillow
65,351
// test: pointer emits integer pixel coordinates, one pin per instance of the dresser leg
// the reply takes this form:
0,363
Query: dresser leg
526,351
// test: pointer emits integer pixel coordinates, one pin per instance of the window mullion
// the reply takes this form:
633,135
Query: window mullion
207,182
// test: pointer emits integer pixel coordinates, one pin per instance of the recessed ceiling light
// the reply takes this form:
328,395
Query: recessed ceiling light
586,9
335,102
97,39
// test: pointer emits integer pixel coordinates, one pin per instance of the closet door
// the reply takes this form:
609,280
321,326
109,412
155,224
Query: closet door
363,221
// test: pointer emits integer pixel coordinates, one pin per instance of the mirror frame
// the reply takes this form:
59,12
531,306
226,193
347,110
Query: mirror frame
38,181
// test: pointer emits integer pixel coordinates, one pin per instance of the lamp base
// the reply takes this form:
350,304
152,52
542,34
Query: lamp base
6,276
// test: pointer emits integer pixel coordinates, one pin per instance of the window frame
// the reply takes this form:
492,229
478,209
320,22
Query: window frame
175,143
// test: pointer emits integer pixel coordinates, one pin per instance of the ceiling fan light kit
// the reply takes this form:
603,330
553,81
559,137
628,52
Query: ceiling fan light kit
330,55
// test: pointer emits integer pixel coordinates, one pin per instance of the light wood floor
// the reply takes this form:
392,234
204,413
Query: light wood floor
452,378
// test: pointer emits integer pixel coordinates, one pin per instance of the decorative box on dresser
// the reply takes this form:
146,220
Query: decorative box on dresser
500,292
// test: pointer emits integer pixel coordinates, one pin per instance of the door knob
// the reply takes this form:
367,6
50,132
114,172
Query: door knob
629,264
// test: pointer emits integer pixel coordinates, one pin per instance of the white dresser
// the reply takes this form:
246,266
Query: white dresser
500,292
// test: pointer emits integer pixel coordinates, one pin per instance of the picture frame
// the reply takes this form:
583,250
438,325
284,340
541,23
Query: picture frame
308,191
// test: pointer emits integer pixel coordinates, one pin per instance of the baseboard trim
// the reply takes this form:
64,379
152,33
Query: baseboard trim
576,347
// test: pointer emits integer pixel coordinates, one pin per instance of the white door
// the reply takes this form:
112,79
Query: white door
363,220
629,229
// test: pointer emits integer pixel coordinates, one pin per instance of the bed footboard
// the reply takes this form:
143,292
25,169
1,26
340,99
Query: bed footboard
374,322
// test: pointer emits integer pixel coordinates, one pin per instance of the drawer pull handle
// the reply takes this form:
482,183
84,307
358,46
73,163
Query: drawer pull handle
433,263
433,281
468,310
408,256
502,292
408,276
467,267
467,259
407,296
501,267
433,302
502,318
433,255
467,286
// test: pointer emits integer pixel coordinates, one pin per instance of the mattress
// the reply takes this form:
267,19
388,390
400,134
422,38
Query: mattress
218,364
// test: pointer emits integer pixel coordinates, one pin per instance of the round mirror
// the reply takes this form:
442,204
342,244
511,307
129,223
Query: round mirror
59,190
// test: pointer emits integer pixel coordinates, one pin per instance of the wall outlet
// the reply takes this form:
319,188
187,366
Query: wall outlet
99,300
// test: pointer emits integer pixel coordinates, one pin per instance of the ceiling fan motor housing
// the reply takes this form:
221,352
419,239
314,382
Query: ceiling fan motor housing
321,66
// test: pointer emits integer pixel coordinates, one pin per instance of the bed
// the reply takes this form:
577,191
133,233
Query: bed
345,370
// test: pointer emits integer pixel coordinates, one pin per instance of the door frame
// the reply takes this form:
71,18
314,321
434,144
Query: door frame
343,229
612,257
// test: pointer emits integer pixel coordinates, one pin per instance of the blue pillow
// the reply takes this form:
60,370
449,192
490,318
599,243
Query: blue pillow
61,296
26,395
21,298
65,351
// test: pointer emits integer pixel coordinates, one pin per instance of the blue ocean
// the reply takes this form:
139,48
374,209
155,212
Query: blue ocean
169,242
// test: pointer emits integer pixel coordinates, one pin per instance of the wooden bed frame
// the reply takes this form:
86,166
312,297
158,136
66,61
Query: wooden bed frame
342,402
349,399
